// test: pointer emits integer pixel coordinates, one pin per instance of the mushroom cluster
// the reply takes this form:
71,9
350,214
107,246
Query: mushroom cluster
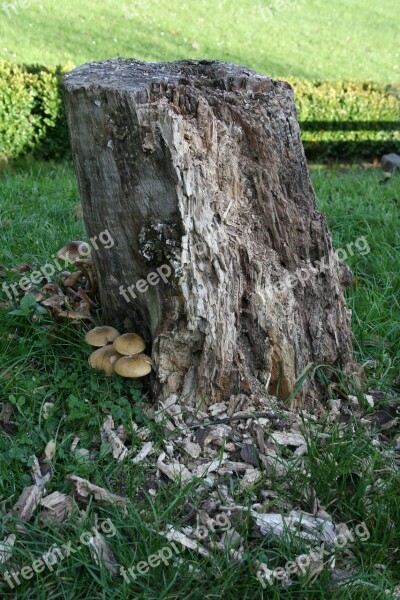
71,294
116,353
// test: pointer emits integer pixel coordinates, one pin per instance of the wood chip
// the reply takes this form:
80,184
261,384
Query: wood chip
301,524
145,451
250,478
109,437
103,554
173,535
288,438
6,547
250,455
28,502
41,472
58,507
191,448
84,489
174,470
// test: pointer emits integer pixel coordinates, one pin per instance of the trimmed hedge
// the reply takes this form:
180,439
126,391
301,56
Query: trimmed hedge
32,116
344,120
347,119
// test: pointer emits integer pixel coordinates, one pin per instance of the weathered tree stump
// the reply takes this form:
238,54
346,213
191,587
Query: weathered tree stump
197,170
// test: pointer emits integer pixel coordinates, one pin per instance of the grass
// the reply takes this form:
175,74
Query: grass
304,38
353,478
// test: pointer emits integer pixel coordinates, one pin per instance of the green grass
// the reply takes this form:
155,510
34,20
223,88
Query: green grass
355,39
355,480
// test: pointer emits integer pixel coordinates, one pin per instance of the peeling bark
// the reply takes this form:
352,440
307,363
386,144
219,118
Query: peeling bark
199,165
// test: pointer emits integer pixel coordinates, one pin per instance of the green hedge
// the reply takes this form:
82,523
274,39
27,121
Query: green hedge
342,120
32,117
347,119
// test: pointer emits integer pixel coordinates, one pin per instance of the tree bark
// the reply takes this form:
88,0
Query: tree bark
198,166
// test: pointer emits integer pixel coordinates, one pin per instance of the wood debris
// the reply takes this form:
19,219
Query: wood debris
58,507
41,472
143,453
173,535
28,502
103,554
84,489
300,524
6,547
173,470
109,437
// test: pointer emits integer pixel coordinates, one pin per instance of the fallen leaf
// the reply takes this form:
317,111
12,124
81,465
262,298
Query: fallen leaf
49,451
47,406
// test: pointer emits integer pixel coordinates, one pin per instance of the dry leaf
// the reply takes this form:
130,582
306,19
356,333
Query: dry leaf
47,406
49,451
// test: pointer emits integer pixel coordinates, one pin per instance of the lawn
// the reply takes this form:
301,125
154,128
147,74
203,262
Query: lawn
355,39
43,363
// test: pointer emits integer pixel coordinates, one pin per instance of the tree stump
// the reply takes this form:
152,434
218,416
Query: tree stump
221,259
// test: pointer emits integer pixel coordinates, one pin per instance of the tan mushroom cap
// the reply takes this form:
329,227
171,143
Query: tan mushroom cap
101,336
134,366
74,250
103,359
129,343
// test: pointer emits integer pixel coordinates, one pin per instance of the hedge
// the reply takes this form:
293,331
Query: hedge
32,117
348,119
341,120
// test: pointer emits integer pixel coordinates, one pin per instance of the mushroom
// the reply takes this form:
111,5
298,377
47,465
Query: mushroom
133,367
103,359
74,250
71,279
101,336
129,344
